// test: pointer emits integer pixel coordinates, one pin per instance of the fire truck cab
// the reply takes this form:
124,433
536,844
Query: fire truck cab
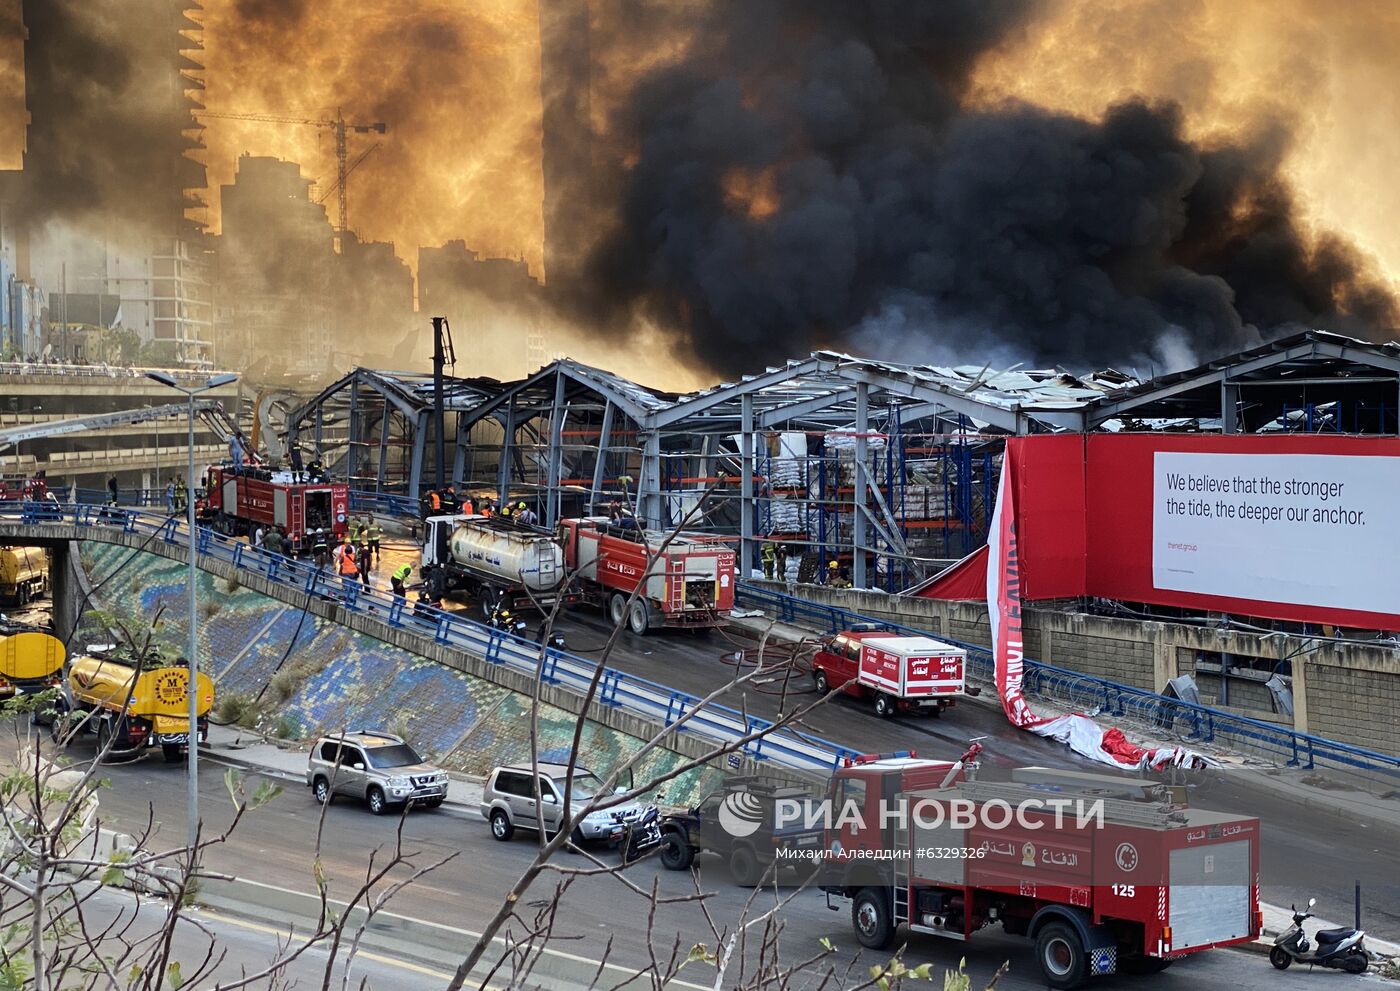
1106,874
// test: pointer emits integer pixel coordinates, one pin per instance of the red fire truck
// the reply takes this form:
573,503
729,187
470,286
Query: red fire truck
898,672
241,499
691,583
15,487
1146,882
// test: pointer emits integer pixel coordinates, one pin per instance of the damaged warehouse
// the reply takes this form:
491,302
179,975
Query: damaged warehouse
889,470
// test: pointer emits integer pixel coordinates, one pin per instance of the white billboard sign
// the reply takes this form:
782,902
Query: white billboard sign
1305,529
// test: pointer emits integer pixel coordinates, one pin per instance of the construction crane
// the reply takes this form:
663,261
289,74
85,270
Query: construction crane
338,126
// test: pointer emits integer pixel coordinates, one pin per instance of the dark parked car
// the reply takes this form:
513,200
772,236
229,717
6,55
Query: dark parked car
739,822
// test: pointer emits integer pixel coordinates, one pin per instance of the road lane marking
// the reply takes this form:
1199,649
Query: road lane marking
367,954
426,971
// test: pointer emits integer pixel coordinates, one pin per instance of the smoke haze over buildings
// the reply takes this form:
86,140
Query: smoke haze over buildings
1035,180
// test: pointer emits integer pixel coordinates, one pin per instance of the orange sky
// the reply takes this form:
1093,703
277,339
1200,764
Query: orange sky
457,84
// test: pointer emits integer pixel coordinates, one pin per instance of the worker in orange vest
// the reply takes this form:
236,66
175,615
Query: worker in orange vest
346,560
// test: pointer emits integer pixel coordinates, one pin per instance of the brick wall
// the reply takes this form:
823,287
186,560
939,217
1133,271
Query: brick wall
1353,695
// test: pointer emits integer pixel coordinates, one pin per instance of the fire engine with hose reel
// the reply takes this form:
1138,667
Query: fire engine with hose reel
132,704
688,585
1146,882
239,500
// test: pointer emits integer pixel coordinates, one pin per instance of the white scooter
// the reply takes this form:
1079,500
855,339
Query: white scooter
1341,949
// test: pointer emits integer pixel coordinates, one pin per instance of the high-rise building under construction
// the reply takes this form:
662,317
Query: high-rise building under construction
565,95
110,187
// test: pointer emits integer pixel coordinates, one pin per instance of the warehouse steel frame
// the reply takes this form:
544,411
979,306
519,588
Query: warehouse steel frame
572,438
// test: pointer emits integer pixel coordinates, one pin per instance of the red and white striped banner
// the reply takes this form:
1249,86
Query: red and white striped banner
1080,733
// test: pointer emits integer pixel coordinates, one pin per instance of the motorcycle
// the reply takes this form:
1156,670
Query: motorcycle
508,622
641,835
1341,949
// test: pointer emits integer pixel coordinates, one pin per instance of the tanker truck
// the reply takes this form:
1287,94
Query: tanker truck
24,574
498,562
30,662
135,710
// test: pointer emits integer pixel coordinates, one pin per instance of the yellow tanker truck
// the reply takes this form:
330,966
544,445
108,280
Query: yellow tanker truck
156,715
30,662
24,574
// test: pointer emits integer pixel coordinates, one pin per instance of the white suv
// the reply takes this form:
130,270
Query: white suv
379,768
508,804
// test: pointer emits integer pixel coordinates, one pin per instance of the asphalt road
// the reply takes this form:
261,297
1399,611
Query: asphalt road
244,947
695,665
276,845
1305,853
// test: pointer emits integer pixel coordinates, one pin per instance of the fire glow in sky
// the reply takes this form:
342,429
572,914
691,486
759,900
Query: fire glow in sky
1084,183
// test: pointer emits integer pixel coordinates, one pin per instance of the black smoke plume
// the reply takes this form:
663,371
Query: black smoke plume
809,173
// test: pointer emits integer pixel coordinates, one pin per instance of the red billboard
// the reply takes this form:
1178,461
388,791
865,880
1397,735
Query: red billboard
1299,527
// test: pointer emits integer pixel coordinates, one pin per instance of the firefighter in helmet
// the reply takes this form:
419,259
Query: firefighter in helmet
770,558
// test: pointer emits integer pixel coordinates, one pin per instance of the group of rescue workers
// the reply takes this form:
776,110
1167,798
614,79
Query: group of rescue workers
449,503
775,565
356,556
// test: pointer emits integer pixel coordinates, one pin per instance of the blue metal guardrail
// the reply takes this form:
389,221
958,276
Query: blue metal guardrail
1196,723
383,503
784,746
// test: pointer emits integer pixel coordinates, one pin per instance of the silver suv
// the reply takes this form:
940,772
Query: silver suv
379,768
508,804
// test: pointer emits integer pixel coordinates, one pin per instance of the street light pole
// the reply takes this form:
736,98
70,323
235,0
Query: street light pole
192,748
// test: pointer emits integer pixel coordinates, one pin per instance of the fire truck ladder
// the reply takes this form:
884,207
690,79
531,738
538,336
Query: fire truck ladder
210,410
1152,814
675,586
900,872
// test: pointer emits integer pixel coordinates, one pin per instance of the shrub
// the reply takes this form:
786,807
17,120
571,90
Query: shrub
284,684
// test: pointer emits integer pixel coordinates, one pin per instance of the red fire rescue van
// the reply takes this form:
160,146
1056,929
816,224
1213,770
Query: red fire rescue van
896,672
